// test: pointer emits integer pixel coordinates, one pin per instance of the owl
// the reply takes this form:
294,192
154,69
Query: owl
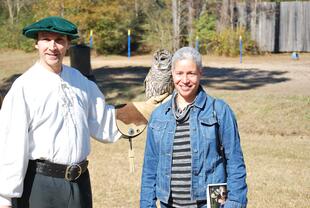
159,78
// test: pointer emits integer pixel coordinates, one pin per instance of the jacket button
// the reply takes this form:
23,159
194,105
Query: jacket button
195,150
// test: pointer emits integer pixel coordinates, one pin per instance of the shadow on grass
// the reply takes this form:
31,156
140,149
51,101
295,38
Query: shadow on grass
124,83
240,79
6,84
127,82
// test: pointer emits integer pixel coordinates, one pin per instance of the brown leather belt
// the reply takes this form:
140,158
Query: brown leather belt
68,172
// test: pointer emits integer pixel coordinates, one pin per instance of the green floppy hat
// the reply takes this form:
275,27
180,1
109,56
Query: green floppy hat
51,24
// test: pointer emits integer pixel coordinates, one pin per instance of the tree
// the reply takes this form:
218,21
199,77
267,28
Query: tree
14,7
191,12
183,15
157,25
176,23
109,20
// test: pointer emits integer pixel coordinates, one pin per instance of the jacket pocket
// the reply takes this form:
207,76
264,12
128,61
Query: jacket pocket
209,127
215,171
158,128
209,130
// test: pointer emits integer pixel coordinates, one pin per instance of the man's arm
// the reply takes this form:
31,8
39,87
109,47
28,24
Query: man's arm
14,120
5,202
101,117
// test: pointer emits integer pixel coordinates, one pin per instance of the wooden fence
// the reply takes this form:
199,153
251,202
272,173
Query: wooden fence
277,27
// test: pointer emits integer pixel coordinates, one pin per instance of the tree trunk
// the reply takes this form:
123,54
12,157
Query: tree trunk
176,24
61,8
248,9
225,15
136,8
14,8
234,14
10,5
203,8
190,27
253,20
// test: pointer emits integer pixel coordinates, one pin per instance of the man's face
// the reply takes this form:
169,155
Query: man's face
186,78
52,49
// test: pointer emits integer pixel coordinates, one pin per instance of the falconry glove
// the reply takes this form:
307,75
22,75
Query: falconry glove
132,118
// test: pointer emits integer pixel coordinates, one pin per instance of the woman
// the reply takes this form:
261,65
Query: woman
182,150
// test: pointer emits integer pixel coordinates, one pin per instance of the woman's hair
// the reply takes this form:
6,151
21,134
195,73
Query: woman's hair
187,53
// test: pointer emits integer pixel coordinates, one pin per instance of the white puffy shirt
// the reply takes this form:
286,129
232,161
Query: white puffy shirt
52,117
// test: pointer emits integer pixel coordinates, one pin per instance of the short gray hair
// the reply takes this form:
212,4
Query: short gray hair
187,53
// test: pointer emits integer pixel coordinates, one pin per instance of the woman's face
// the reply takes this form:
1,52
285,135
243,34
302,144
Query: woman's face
186,78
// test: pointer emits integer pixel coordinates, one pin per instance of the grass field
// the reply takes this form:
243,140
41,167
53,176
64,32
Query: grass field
270,95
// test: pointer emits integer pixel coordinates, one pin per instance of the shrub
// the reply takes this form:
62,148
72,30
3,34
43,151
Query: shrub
227,42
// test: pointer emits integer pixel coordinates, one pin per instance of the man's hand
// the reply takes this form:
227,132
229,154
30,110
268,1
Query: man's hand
4,206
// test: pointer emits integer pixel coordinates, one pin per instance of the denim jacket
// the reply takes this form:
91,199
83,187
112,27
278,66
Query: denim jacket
207,164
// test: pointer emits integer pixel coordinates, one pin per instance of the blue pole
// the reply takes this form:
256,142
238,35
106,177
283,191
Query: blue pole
91,39
91,42
240,48
128,44
197,44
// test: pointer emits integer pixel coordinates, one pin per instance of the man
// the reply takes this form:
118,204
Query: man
182,154
46,121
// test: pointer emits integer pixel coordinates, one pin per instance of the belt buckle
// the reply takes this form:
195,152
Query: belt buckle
68,174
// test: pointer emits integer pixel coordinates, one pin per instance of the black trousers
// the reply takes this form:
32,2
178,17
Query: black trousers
48,192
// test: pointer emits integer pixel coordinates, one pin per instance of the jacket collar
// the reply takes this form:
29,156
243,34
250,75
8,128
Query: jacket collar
201,99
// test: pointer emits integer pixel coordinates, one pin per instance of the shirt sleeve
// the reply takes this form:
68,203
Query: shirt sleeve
14,120
101,117
4,201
